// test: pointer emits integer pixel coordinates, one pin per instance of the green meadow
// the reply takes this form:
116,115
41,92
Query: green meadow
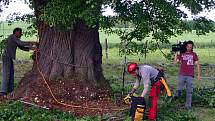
204,100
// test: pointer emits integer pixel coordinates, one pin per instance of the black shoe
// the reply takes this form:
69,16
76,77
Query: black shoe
188,107
3,94
175,97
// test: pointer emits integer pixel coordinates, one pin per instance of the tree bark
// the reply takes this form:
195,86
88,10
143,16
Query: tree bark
75,52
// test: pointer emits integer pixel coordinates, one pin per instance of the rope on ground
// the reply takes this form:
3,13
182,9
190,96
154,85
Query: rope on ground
70,105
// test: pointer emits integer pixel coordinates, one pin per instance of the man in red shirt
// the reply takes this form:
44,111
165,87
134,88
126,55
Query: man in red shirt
187,62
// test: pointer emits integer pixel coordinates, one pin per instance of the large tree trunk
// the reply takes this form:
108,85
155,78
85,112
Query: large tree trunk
65,53
75,52
70,61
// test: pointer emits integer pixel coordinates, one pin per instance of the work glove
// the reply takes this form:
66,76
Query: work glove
127,99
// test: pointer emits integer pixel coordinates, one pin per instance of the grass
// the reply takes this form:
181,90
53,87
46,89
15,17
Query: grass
113,70
205,114
6,29
16,111
206,56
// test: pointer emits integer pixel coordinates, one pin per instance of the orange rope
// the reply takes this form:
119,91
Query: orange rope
68,105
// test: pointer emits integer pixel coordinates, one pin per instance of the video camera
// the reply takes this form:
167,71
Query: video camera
181,47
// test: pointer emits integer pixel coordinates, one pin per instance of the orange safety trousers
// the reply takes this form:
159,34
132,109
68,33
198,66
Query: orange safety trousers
153,99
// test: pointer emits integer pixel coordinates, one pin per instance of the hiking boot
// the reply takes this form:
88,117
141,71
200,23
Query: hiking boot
188,107
3,94
175,98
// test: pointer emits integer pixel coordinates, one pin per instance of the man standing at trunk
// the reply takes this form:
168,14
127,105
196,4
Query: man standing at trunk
187,60
13,41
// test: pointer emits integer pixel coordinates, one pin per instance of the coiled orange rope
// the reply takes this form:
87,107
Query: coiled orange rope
69,105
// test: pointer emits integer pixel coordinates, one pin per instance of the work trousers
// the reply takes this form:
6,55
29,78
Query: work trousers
153,99
7,84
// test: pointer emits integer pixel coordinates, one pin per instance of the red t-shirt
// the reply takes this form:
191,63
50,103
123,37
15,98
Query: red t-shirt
187,63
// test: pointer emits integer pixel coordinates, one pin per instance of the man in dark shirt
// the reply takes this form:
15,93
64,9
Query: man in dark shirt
13,41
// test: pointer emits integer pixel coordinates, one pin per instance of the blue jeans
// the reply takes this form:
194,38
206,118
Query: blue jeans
7,85
188,80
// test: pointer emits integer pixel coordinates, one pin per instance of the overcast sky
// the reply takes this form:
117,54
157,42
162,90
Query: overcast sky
18,7
22,8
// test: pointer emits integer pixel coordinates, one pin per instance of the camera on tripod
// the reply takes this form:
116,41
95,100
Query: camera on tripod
181,47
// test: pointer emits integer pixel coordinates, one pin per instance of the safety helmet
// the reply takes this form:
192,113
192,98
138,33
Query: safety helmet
132,67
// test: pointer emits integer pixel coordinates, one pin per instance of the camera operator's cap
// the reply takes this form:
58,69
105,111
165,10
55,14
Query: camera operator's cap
132,68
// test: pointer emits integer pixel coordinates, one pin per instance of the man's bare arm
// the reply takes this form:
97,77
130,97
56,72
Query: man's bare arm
176,60
198,69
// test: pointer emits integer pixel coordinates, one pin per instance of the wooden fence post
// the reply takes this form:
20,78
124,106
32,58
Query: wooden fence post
106,51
